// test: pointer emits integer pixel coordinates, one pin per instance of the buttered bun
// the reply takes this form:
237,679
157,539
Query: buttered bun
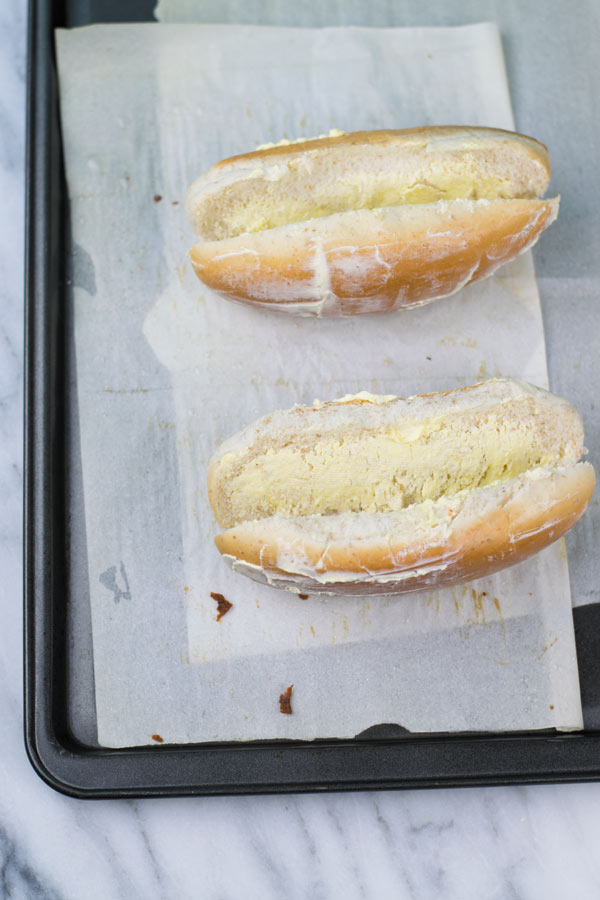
368,222
376,494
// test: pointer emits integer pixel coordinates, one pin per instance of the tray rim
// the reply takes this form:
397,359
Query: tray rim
188,770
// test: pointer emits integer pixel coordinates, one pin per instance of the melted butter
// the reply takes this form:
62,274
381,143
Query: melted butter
384,471
259,210
284,142
361,397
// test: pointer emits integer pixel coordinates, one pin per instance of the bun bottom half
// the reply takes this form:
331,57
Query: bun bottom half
372,261
426,546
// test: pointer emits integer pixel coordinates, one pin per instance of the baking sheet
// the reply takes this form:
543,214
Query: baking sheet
144,111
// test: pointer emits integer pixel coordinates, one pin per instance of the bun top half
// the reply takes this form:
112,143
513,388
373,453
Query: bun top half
381,454
307,179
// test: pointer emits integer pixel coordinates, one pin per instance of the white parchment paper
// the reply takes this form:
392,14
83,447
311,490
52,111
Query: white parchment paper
166,371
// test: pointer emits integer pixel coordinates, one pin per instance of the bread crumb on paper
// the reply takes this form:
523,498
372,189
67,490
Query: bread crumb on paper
223,605
285,701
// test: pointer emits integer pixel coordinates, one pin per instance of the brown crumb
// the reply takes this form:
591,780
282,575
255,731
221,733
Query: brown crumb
428,357
175,203
304,596
157,738
285,701
157,198
223,605
551,706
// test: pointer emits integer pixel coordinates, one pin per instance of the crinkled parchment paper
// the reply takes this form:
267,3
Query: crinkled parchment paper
166,371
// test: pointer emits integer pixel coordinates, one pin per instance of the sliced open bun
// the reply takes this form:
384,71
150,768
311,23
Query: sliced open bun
368,222
379,494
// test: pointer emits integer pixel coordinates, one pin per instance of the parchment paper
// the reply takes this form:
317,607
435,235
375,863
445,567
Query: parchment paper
166,371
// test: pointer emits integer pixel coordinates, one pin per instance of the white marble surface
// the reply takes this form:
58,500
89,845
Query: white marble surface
532,842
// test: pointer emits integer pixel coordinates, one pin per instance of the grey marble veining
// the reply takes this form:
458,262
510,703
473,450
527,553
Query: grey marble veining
516,843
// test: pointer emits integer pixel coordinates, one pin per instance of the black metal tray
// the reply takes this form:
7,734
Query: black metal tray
59,694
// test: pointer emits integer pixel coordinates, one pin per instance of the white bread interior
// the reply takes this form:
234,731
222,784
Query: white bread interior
403,493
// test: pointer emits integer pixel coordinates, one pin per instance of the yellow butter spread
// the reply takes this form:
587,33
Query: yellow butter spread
385,470
285,142
256,210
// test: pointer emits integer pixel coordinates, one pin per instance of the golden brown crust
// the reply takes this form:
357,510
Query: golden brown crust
478,543
382,136
371,261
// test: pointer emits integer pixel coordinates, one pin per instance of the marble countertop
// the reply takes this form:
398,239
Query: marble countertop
516,842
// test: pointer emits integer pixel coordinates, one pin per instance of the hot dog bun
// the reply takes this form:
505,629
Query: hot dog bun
372,494
368,222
